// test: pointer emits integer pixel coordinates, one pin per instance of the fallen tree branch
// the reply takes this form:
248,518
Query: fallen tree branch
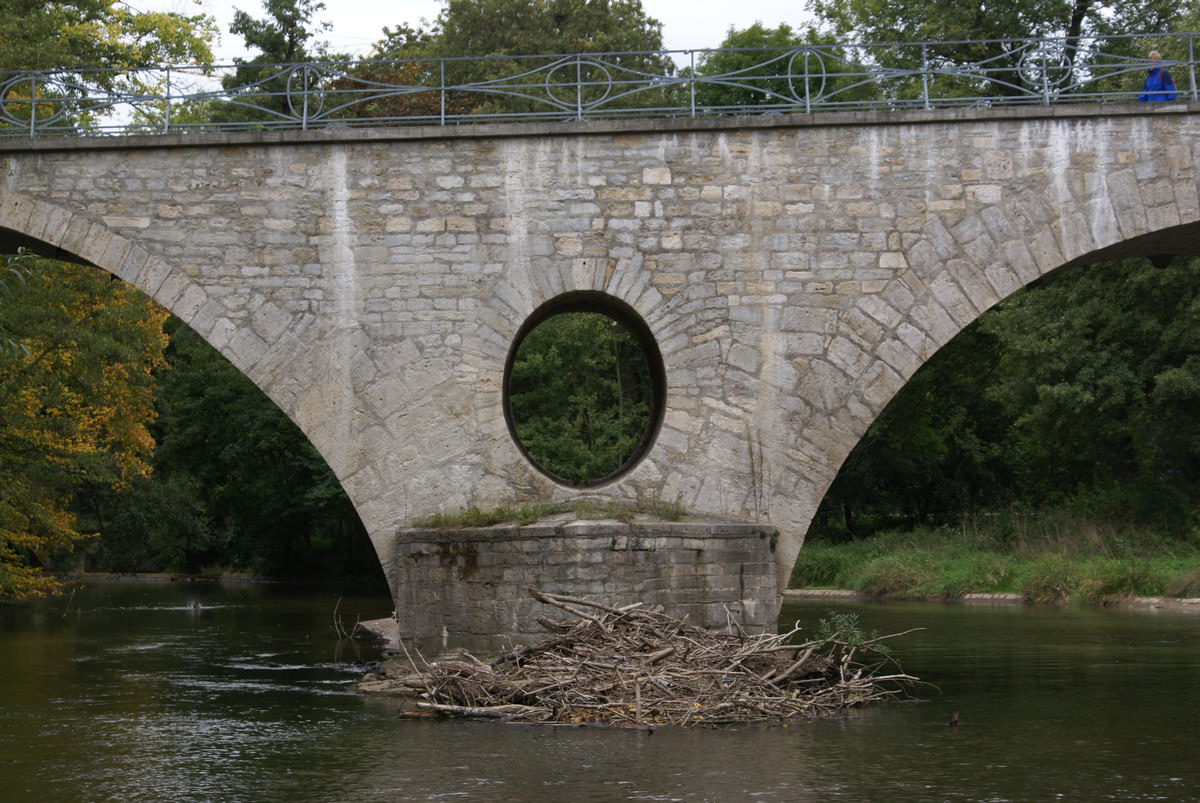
488,712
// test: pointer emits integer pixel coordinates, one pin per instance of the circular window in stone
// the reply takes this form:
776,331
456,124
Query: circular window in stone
584,386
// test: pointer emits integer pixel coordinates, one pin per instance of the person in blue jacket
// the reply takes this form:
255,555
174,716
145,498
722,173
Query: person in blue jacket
1159,84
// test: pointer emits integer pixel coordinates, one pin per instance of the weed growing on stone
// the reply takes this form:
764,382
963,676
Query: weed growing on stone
473,516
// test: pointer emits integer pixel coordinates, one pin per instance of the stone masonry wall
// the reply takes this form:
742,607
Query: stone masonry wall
466,588
794,271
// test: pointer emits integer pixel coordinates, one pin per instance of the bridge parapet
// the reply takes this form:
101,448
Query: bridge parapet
833,77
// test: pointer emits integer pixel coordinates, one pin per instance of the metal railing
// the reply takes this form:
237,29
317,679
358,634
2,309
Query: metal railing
589,86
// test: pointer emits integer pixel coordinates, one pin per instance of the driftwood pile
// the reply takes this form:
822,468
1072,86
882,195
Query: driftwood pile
631,667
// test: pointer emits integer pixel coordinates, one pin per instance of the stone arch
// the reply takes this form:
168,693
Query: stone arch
257,352
60,233
54,232
946,291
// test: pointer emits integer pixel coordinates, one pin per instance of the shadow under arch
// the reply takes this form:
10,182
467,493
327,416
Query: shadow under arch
1160,247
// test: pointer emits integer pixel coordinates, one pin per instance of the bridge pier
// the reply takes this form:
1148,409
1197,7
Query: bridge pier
465,589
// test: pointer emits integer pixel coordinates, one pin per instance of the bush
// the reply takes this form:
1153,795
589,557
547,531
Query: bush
1051,578
819,565
974,573
1184,585
898,576
1048,557
1110,580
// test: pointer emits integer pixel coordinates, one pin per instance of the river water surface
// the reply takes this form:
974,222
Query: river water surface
138,695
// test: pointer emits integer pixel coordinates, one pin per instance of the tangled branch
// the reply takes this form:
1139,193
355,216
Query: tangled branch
632,667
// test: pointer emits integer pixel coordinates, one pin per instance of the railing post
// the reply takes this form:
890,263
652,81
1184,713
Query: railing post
1192,61
304,113
1045,76
807,85
167,105
692,83
578,89
442,91
925,76
32,105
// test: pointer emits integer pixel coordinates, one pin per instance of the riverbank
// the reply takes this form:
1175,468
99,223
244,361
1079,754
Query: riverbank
1078,564
1189,604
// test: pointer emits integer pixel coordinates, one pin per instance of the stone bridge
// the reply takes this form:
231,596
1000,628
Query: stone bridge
788,273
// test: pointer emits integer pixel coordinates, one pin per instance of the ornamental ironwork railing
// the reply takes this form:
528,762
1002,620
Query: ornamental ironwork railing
590,86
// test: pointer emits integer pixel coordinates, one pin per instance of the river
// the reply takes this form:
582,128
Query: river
130,692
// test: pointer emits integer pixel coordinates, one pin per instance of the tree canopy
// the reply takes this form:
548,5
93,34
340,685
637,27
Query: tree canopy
932,21
760,66
977,31
85,34
160,460
283,37
540,27
88,39
580,396
76,402
271,502
507,30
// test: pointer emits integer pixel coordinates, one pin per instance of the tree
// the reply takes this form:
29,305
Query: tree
12,281
1104,398
975,31
1082,390
579,396
510,31
538,27
271,502
396,82
779,67
270,83
90,34
940,449
159,523
84,400
74,407
92,46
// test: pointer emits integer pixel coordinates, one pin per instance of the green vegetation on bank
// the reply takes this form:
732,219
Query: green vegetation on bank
1045,558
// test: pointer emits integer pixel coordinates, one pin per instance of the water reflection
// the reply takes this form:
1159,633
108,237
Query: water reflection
142,697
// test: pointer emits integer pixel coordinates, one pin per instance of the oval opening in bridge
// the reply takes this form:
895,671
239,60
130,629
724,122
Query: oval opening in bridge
583,388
